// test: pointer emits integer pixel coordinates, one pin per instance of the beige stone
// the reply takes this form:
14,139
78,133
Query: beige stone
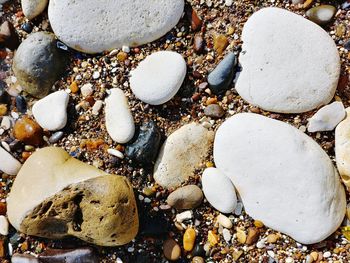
342,148
67,197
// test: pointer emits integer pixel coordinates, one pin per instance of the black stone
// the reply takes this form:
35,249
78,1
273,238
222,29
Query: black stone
27,27
198,251
4,97
222,76
21,104
144,148
79,255
347,45
153,226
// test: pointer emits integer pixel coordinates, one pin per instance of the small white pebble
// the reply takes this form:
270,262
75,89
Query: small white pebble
271,253
6,123
119,260
184,216
125,49
228,2
14,115
86,90
131,249
226,234
116,153
96,75
327,254
260,244
4,226
97,107
147,200
289,260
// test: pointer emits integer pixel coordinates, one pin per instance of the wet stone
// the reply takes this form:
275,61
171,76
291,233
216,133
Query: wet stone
222,76
214,111
145,148
171,249
8,36
28,131
198,44
21,104
4,97
198,250
56,137
85,255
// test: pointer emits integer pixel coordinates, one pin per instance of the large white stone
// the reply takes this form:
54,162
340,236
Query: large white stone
119,121
327,118
284,177
51,111
290,64
33,8
158,78
342,148
8,164
218,190
181,154
93,27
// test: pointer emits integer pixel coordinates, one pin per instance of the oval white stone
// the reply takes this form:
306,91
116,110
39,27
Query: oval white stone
119,121
159,77
284,177
51,111
8,164
33,8
93,27
219,191
290,64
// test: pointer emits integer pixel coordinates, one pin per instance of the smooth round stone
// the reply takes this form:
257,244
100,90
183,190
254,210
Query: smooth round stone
119,120
284,177
198,260
159,77
171,249
28,131
327,118
38,63
51,111
222,76
146,146
186,197
8,164
214,111
289,66
56,137
321,14
342,148
33,8
110,24
183,152
219,191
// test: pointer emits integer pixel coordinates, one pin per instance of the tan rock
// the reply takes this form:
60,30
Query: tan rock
181,154
342,148
253,235
187,197
171,250
71,198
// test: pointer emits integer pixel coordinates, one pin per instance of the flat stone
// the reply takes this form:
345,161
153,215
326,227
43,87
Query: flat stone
144,149
86,255
33,8
112,24
186,197
284,177
38,63
24,258
327,118
159,77
181,154
322,14
71,198
51,111
8,164
219,191
289,66
342,149
119,121
220,79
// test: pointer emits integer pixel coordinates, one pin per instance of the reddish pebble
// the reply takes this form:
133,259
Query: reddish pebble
28,131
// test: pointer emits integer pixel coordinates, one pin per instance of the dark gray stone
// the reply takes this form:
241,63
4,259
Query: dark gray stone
56,137
214,111
145,148
79,255
4,97
222,76
38,63
21,104
347,45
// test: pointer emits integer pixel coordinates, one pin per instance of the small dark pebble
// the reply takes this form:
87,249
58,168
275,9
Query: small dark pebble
153,226
222,76
27,27
198,251
21,104
347,45
15,145
214,111
4,97
8,36
145,148
56,137
86,255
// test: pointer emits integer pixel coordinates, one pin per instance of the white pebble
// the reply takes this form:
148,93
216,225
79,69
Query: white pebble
261,243
327,254
86,90
6,123
271,253
8,163
96,75
224,221
226,234
289,260
4,226
116,153
97,107
125,49
228,2
184,216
